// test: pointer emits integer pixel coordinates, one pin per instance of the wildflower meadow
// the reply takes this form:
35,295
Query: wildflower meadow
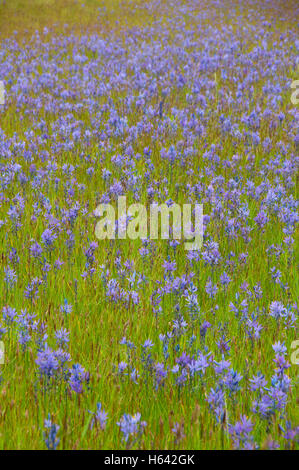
147,341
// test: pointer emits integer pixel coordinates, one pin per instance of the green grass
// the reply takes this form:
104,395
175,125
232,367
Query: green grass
96,325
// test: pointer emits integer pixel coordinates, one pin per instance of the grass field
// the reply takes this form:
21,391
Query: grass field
120,344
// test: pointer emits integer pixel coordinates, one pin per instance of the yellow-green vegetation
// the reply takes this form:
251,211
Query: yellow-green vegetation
173,100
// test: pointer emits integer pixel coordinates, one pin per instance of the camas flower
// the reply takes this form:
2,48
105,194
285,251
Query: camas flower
131,426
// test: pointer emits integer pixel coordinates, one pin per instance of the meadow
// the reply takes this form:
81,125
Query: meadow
141,344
